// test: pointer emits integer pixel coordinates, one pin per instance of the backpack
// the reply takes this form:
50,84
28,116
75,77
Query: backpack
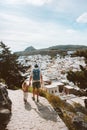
36,74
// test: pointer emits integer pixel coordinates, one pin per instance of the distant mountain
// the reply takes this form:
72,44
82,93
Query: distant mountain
68,47
28,49
53,50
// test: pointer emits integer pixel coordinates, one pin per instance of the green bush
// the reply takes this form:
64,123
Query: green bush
68,122
30,89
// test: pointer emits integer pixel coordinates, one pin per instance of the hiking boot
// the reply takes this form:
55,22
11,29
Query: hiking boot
37,100
25,101
33,98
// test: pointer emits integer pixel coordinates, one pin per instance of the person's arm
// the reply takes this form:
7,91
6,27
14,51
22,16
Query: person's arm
41,78
42,82
30,79
23,86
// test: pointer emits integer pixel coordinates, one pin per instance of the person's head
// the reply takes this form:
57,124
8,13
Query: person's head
36,66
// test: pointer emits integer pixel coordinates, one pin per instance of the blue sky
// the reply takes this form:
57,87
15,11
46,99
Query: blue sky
42,23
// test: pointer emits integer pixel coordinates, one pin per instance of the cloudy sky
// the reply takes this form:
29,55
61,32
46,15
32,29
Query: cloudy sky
42,23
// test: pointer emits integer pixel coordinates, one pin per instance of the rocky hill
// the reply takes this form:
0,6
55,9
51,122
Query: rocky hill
59,49
26,51
29,49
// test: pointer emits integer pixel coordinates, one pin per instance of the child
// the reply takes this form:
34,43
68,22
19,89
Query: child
25,90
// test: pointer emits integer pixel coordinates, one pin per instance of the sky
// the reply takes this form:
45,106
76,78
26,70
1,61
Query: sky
42,23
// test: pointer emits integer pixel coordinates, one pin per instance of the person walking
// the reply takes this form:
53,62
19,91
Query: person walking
25,87
36,78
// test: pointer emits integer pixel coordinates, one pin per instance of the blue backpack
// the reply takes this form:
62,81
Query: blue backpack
36,74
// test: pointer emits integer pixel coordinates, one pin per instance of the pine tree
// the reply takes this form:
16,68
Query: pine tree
10,69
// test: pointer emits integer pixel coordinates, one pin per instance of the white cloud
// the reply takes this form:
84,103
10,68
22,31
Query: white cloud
19,32
82,18
39,2
65,6
10,17
62,5
71,31
32,2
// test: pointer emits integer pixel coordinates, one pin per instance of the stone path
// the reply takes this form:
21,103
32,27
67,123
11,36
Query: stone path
33,115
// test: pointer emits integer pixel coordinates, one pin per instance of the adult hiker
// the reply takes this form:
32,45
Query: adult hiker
36,78
25,87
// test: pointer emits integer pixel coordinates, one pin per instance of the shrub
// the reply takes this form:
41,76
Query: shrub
30,89
42,93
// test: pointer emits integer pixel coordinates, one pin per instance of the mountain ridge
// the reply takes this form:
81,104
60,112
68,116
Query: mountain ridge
52,49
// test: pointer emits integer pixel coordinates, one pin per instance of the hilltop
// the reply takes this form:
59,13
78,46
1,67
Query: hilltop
53,50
